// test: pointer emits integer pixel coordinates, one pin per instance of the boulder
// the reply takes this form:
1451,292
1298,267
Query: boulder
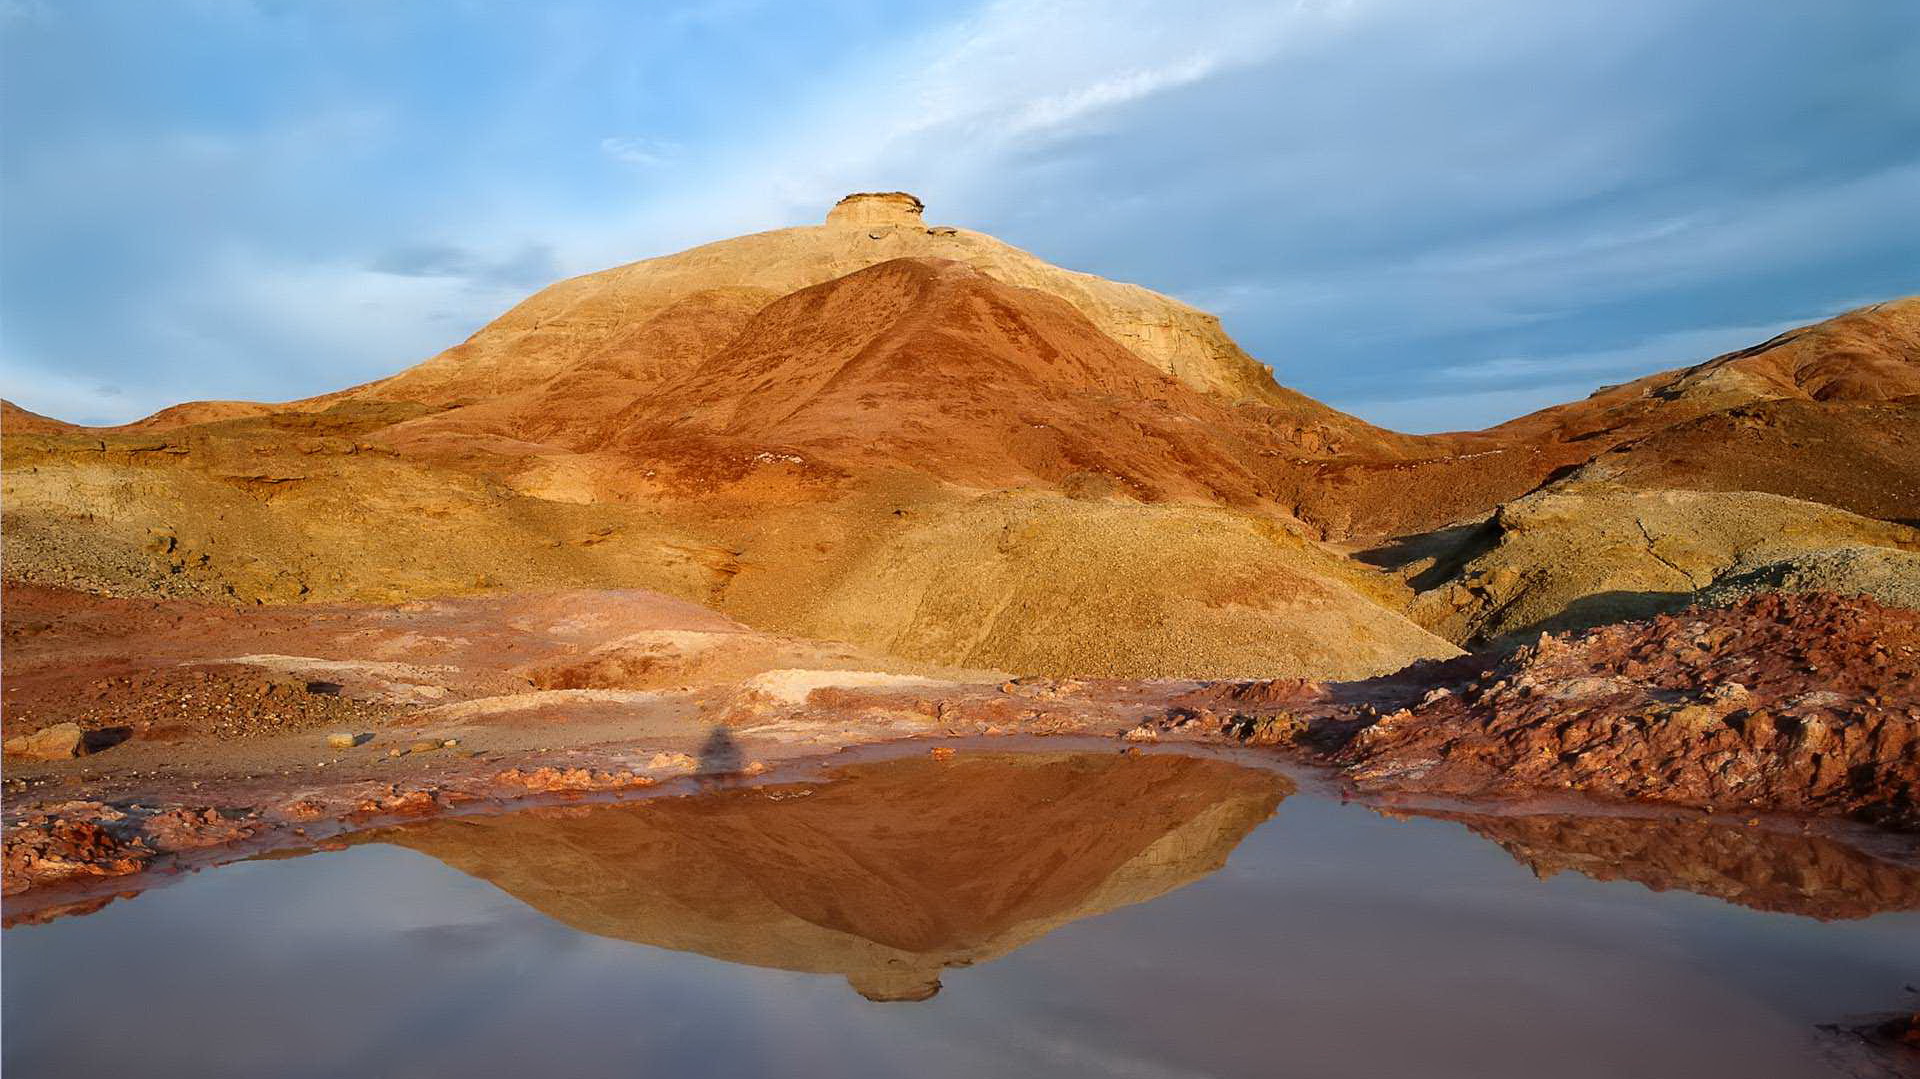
62,741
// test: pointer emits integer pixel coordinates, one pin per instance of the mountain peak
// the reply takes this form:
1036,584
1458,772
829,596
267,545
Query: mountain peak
865,208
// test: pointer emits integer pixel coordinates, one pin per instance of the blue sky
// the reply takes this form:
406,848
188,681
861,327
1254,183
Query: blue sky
1434,213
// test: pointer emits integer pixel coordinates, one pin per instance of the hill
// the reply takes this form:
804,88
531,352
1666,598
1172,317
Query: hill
923,441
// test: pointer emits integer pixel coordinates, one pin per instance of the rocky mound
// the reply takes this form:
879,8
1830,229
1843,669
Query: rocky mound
924,365
1799,703
1063,587
1826,413
15,420
1887,576
568,321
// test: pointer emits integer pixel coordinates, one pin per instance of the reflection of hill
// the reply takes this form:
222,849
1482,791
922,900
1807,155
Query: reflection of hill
1795,874
887,875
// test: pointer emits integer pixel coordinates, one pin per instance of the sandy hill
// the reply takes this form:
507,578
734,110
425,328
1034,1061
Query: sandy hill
15,420
980,460
576,319
914,364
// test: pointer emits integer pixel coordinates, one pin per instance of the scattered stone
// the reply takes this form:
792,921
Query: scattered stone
1720,708
346,741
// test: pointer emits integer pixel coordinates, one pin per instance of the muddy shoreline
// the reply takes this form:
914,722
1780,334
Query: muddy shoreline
1738,712
123,836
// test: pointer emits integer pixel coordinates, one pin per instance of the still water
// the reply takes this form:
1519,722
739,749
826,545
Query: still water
991,915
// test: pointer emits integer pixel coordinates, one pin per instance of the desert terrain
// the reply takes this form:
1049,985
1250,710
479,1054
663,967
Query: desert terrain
879,481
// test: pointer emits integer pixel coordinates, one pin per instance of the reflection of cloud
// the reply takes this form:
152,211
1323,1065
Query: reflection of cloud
465,939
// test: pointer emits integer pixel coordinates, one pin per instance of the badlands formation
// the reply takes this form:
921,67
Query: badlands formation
876,478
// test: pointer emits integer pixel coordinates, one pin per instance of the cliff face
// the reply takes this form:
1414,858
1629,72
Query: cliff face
867,209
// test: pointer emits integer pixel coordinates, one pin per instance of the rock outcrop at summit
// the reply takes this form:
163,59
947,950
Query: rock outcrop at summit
871,209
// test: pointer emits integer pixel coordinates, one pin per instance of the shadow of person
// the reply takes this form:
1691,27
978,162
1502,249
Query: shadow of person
720,755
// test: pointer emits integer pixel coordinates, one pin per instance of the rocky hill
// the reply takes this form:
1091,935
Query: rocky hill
927,443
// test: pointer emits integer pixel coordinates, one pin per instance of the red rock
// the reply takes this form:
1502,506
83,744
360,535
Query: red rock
62,741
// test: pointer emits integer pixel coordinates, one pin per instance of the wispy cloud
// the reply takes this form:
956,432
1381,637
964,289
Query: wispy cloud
635,150
1658,353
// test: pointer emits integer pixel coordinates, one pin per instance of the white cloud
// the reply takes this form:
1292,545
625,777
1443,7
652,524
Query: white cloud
1437,412
76,399
1062,110
941,113
635,150
260,329
1660,352
25,11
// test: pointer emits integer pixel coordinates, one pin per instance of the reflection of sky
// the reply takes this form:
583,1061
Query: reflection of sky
1434,214
1335,943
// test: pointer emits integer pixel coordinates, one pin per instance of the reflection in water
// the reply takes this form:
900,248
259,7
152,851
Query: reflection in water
1810,875
888,875
1338,941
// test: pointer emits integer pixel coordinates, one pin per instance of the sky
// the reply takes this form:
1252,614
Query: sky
1437,214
